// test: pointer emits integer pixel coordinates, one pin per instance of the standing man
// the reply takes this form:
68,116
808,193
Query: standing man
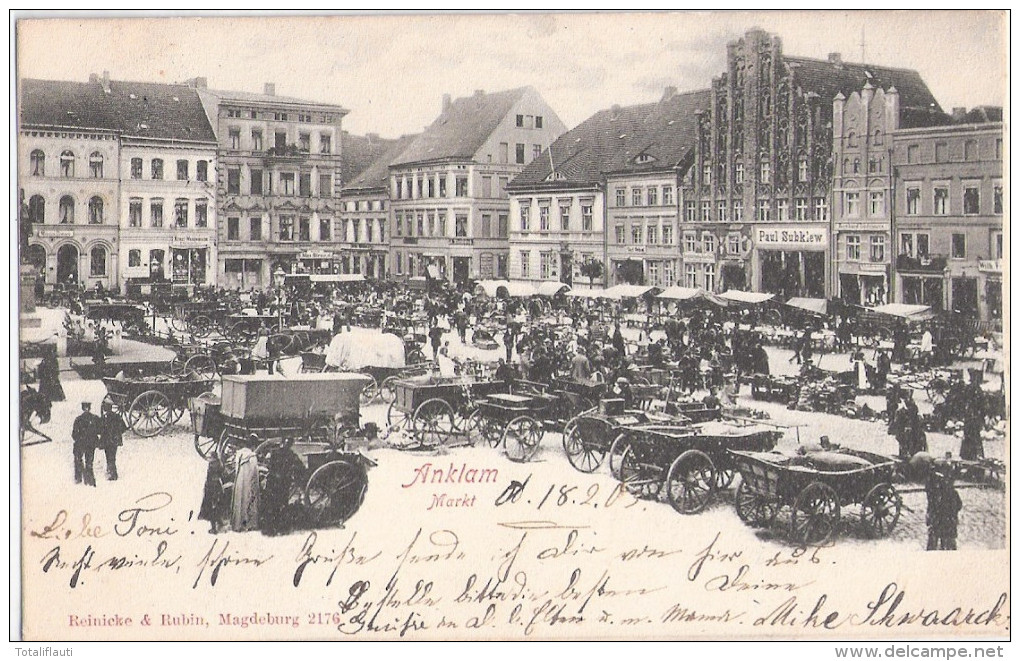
436,337
972,447
111,437
85,434
944,505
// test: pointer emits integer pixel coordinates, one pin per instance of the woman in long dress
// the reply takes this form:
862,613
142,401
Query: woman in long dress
244,506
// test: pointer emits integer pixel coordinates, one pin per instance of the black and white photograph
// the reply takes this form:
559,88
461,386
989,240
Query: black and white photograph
664,326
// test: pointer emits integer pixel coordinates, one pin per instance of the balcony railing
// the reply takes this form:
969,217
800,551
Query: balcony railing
924,264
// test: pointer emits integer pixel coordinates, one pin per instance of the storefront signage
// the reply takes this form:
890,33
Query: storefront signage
699,258
635,249
315,254
873,267
792,237
183,240
990,265
55,233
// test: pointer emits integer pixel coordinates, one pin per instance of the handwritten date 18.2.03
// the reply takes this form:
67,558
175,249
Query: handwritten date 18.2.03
565,495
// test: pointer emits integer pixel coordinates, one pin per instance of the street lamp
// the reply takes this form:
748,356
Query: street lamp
153,268
279,278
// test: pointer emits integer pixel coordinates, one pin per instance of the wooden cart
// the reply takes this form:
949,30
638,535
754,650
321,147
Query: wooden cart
434,411
149,406
816,486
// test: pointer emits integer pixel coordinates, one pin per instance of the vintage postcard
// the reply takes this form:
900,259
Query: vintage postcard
604,326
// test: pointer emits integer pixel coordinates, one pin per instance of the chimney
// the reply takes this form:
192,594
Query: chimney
93,77
479,92
669,93
447,102
200,82
270,89
959,114
106,81
372,137
836,60
615,112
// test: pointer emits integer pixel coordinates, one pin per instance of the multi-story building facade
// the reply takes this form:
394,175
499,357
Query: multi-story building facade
762,178
78,145
365,211
948,215
278,181
448,189
617,173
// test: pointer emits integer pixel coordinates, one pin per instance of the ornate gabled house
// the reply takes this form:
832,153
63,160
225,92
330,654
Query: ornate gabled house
758,199
279,177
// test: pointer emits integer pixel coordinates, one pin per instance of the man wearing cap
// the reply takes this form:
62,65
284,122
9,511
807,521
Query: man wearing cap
111,437
85,434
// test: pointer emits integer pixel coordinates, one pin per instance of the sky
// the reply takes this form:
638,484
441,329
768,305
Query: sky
391,71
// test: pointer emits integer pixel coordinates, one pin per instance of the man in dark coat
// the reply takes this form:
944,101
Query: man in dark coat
284,470
111,437
85,434
972,447
944,505
49,378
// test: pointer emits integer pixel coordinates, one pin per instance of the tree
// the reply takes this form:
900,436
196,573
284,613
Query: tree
632,272
591,268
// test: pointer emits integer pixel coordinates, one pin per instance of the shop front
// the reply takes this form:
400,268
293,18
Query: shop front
791,261
864,284
244,273
318,262
991,271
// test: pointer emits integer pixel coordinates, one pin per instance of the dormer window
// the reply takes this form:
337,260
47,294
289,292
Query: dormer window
642,159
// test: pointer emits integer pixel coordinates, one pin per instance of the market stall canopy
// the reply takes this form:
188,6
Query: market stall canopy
365,347
681,293
552,288
813,305
746,297
520,289
587,293
904,311
338,277
627,291
489,287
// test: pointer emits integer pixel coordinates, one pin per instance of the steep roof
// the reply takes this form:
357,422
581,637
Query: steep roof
255,97
462,129
359,152
613,140
149,110
376,173
827,79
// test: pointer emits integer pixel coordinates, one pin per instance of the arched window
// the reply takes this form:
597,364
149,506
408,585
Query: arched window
878,136
857,166
67,210
38,163
851,139
96,165
96,211
97,262
37,209
67,164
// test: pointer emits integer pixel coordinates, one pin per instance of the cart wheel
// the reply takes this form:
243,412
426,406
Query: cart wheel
521,438
637,480
335,492
201,367
432,423
936,390
815,515
723,478
370,391
226,448
581,452
395,418
205,445
176,367
149,413
388,389
690,482
200,326
242,333
177,410
616,450
471,427
178,324
415,357
753,508
881,510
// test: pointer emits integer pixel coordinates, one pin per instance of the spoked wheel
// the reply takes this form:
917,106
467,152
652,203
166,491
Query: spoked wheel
690,482
753,508
471,426
638,480
201,367
200,326
205,445
521,438
415,357
395,418
388,389
432,423
936,390
262,456
177,366
815,515
150,413
226,448
723,478
335,492
178,324
582,451
242,333
881,510
177,410
370,391
616,450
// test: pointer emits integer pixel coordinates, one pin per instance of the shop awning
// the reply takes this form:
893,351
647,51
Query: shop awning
813,305
746,297
681,293
489,287
627,291
904,311
338,277
552,288
520,289
587,293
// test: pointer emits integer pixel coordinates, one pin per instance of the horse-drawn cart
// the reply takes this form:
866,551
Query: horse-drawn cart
816,486
433,410
149,406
